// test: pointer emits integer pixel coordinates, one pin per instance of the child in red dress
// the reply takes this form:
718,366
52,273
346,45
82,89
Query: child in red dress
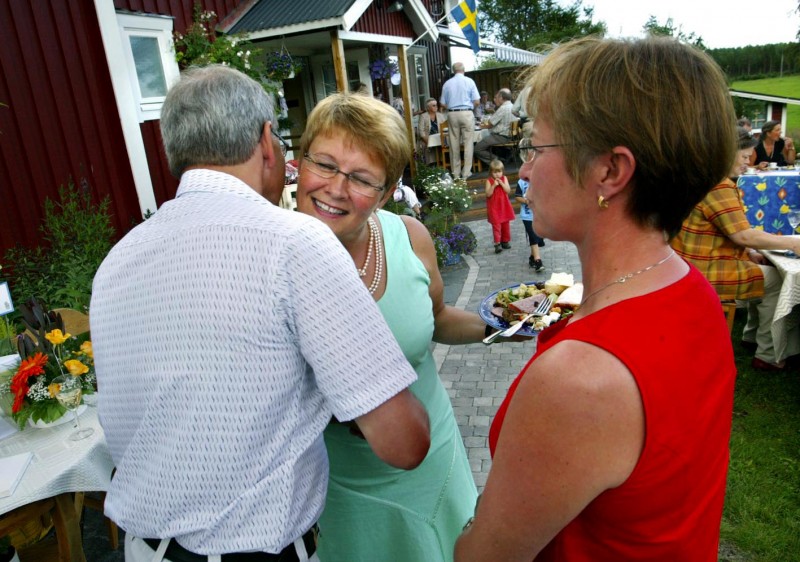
499,211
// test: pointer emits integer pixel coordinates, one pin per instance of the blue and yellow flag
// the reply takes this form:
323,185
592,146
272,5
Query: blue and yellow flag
466,16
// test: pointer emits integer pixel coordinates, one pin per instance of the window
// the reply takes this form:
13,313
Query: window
147,43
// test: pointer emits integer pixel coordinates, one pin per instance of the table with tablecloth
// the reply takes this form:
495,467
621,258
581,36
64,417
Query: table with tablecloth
768,197
784,323
59,468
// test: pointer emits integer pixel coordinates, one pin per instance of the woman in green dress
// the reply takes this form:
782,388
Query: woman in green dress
354,150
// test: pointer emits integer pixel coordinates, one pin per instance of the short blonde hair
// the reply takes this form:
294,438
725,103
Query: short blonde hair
372,125
666,101
496,166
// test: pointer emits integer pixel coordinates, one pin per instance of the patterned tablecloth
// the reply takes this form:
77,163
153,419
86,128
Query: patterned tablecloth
785,324
768,196
59,465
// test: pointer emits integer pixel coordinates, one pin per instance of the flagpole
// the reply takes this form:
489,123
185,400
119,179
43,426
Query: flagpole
423,35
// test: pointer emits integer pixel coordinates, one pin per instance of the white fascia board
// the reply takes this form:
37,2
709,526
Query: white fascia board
421,20
126,104
374,38
765,97
355,12
299,28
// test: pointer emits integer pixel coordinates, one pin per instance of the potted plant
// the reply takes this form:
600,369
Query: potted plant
53,354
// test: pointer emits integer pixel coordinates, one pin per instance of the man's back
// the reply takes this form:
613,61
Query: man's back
208,320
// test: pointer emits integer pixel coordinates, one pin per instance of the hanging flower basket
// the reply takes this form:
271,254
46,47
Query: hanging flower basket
382,68
279,66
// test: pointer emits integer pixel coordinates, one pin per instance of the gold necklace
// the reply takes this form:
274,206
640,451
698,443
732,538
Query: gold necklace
627,277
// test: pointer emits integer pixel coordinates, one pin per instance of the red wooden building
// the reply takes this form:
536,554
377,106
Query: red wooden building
82,83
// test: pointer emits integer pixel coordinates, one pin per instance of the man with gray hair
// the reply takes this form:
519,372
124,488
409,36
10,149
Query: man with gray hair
227,333
460,97
499,126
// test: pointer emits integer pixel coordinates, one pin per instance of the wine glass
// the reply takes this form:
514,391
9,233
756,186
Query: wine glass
69,395
794,220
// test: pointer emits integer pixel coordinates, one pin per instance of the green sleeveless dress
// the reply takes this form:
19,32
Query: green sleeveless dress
375,512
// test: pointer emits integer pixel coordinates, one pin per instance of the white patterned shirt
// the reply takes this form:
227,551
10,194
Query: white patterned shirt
226,333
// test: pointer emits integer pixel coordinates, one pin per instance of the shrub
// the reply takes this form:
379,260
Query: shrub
78,235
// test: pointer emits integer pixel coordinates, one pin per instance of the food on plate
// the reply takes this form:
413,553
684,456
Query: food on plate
515,302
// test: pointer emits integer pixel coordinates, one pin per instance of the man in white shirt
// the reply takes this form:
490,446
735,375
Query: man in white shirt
499,126
520,109
460,97
227,332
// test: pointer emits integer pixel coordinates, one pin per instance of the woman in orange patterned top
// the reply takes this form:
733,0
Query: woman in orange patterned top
717,239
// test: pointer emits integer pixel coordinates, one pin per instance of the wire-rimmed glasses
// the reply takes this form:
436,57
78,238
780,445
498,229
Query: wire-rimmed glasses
281,141
528,151
327,170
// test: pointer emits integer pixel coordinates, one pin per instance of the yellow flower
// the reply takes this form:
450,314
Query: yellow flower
56,337
784,209
75,367
761,186
86,348
53,389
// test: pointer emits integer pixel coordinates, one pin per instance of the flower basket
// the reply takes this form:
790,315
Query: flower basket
279,66
382,68
53,353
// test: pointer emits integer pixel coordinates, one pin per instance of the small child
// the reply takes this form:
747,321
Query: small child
525,213
499,211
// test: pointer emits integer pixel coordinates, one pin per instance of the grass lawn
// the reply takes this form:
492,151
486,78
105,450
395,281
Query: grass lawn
762,507
788,86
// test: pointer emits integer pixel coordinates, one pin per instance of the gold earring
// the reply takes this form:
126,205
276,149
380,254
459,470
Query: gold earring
602,202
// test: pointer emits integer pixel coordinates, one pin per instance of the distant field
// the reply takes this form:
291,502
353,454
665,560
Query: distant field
788,86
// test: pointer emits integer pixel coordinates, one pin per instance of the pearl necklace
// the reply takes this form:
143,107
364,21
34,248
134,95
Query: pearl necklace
375,244
628,276
370,243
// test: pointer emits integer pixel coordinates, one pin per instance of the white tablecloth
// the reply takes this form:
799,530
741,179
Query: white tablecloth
784,321
435,139
59,465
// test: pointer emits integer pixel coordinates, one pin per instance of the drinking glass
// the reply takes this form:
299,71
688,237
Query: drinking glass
794,220
69,395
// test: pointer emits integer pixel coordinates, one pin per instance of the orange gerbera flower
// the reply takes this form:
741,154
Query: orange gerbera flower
32,366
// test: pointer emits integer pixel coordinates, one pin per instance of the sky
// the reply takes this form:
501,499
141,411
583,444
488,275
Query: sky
721,23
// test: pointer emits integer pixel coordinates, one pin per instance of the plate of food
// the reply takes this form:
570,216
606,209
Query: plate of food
508,305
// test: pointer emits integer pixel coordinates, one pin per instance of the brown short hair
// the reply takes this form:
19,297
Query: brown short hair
652,96
496,165
374,126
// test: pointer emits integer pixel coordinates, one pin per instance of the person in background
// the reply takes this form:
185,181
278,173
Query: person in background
518,109
217,372
612,444
429,124
460,97
717,239
525,213
353,148
499,211
745,123
484,108
404,194
499,126
772,148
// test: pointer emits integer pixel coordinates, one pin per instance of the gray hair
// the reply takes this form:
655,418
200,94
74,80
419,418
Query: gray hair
213,115
458,67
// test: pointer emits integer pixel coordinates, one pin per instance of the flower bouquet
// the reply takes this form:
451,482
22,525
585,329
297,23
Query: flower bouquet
54,353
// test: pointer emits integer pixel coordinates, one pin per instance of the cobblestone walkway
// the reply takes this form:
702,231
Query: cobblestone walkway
477,376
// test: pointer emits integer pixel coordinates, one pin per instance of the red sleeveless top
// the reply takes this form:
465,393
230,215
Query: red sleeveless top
676,344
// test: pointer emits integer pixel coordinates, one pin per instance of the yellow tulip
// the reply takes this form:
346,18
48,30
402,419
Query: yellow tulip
75,367
86,348
784,209
56,337
761,186
53,389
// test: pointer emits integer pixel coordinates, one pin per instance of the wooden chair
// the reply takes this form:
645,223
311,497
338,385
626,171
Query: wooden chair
729,308
513,142
66,546
443,155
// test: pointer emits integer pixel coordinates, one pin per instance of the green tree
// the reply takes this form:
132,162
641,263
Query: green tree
492,62
526,24
652,27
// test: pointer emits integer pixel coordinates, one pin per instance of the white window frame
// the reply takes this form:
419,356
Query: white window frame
160,28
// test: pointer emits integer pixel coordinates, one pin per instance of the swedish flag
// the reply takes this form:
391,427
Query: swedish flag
466,16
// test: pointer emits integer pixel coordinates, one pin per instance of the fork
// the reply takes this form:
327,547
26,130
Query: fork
541,310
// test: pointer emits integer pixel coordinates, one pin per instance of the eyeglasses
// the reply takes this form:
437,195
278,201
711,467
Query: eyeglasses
528,151
328,170
284,144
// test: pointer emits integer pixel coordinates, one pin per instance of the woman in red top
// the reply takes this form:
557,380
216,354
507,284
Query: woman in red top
612,444
499,211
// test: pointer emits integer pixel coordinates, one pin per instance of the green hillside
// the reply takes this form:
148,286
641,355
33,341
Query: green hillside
788,86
